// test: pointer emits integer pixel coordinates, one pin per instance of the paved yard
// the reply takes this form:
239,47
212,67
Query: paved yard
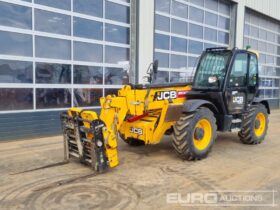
142,180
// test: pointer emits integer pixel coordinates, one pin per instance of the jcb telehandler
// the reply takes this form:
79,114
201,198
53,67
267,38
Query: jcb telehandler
222,97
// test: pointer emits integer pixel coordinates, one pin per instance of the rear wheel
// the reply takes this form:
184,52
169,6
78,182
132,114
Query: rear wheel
255,125
194,134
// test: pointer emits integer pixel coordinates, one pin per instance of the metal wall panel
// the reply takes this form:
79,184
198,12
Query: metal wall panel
270,8
262,34
29,125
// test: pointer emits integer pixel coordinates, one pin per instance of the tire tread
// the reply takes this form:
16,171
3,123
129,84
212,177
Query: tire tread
182,135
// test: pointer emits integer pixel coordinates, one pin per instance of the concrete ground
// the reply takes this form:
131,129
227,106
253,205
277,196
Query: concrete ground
144,178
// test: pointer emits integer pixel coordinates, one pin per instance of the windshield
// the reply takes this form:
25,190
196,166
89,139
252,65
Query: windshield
212,64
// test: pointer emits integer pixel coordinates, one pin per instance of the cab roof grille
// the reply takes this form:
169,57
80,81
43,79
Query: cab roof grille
216,49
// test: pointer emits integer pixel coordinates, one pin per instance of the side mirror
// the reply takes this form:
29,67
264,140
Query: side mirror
212,79
155,67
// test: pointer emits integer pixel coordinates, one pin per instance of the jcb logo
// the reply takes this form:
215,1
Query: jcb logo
165,95
138,131
238,99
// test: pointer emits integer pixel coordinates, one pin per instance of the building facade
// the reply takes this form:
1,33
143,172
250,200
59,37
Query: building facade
55,54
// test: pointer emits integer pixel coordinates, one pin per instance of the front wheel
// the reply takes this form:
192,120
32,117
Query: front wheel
194,134
255,125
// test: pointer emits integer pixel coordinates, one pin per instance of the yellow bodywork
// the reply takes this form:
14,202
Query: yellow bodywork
158,108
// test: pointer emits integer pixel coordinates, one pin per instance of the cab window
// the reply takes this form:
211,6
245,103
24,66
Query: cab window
253,70
238,75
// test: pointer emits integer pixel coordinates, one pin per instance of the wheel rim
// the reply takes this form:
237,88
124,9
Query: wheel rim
203,142
260,124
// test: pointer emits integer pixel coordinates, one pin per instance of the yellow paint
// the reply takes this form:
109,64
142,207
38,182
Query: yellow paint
74,110
132,102
261,118
202,144
143,101
255,52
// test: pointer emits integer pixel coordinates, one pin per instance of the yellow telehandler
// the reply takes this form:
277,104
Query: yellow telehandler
222,97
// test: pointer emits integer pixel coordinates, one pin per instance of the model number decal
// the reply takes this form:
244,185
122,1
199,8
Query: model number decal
138,131
238,99
165,95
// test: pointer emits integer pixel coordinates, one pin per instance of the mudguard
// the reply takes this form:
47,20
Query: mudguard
193,104
262,101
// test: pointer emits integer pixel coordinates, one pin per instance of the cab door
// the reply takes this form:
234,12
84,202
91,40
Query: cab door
236,93
253,78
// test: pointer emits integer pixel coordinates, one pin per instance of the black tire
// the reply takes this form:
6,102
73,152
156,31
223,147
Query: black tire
247,134
132,142
183,135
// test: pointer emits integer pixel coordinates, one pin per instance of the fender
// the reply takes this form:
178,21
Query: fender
262,101
193,104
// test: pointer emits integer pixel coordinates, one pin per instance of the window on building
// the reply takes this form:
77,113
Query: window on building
15,44
261,34
52,22
183,29
16,71
61,4
48,73
15,16
54,53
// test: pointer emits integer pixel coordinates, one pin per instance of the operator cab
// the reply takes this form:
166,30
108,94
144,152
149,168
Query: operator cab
228,79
